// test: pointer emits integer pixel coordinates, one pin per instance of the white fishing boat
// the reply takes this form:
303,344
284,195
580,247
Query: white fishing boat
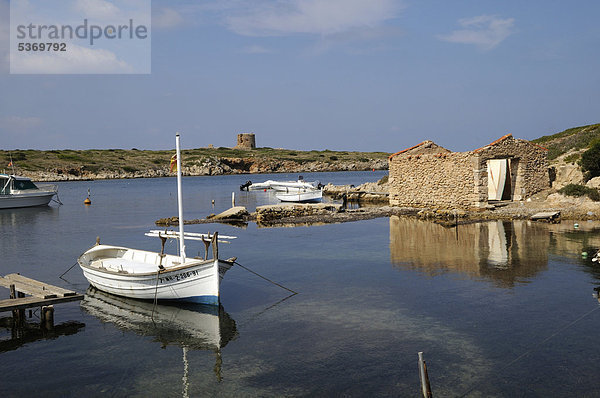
150,275
16,191
301,196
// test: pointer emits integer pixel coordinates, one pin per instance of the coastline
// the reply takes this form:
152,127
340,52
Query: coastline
92,165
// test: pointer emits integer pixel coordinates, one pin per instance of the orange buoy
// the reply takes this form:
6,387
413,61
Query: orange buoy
87,202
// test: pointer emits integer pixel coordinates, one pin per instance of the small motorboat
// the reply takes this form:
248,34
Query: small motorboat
281,186
301,196
17,191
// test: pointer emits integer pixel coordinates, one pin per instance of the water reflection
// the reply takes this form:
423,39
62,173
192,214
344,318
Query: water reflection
505,252
30,332
17,216
189,326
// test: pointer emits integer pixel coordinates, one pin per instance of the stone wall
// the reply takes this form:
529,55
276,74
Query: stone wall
460,179
529,166
443,180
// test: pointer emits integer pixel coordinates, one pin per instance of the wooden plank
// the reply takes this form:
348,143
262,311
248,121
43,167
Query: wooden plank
30,302
28,289
545,215
21,280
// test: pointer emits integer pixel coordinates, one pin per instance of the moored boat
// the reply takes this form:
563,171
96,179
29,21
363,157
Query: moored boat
150,275
301,196
282,186
17,191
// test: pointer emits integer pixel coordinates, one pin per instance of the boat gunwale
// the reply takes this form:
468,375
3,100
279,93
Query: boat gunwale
158,270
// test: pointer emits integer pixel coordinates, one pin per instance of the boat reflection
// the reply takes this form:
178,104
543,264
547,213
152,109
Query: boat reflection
189,326
506,252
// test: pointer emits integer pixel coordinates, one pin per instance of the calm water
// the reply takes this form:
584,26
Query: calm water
499,308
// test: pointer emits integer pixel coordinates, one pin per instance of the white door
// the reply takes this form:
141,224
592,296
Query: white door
496,178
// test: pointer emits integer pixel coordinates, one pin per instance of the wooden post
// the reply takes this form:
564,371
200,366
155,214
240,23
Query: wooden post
21,315
48,317
13,295
206,245
215,245
233,199
425,387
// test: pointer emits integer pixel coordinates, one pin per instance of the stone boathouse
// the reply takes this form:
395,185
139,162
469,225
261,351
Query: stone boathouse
428,175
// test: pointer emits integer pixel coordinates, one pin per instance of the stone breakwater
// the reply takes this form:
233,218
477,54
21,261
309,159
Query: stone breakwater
294,214
208,166
282,215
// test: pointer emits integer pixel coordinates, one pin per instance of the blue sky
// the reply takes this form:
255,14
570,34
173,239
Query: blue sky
366,75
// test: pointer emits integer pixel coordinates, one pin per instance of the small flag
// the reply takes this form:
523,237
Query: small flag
174,162
10,164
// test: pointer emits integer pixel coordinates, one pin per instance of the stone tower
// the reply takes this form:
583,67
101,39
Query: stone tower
246,141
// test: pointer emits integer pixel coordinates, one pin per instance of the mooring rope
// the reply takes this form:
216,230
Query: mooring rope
57,200
70,268
155,296
267,279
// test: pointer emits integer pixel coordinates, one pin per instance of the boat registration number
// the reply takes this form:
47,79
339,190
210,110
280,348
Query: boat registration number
177,277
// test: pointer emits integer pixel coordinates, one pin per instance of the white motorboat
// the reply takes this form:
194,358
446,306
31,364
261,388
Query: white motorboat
259,186
281,186
16,191
301,196
150,275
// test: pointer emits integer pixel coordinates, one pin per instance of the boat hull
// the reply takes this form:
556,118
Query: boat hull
115,270
25,200
301,197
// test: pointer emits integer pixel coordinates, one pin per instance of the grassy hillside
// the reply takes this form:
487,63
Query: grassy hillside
94,160
577,138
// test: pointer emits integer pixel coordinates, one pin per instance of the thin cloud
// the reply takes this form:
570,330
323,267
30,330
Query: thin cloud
484,31
78,60
166,18
256,49
100,9
315,17
359,40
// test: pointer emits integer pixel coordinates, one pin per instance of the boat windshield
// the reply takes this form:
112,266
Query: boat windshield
22,185
4,186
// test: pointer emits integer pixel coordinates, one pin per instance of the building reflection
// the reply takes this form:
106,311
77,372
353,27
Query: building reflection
505,252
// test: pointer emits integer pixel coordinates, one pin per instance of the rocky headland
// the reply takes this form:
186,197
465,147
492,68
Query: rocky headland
69,165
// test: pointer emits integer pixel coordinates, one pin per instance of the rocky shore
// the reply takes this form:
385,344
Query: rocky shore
559,206
206,167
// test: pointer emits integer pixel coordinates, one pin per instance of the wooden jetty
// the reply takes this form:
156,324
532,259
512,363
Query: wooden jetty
549,216
39,294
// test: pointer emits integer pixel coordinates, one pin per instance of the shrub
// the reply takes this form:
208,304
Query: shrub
590,162
580,190
573,158
70,157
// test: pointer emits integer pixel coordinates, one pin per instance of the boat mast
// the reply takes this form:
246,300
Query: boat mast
179,197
